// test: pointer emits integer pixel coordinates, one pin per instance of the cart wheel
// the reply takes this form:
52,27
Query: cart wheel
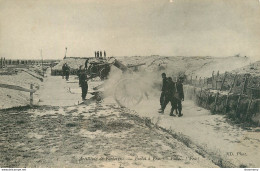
127,93
103,74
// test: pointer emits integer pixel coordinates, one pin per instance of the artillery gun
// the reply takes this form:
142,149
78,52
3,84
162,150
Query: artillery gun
127,91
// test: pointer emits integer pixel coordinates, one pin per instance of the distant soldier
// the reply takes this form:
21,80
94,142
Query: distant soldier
179,95
105,55
97,54
86,64
67,72
162,97
63,70
100,54
169,96
83,83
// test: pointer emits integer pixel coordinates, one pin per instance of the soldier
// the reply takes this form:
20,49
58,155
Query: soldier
86,64
97,54
63,70
169,96
67,72
179,95
83,83
105,55
100,54
162,97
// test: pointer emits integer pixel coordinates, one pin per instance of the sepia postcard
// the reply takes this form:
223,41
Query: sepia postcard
129,84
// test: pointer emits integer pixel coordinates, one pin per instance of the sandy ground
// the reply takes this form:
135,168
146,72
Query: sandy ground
61,133
97,135
216,135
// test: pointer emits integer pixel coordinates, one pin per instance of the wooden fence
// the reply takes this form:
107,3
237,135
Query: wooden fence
232,83
237,95
14,87
5,62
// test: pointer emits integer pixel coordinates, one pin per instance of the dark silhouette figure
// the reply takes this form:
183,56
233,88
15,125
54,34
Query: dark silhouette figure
179,95
169,96
100,54
86,64
162,97
83,83
105,55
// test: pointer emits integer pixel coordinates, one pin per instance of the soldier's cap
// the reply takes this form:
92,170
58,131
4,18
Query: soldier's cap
163,74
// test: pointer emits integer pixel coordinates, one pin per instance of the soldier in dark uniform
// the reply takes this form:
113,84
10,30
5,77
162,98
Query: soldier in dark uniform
179,95
63,70
83,83
169,96
86,64
67,72
162,97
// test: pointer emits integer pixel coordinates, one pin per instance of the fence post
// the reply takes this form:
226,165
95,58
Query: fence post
31,95
241,93
223,81
213,78
230,90
216,86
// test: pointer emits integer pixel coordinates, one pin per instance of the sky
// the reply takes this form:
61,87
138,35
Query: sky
129,28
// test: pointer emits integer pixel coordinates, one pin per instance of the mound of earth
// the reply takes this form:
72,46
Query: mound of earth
22,77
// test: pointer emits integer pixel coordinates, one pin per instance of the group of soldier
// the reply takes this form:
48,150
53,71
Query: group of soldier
98,54
172,92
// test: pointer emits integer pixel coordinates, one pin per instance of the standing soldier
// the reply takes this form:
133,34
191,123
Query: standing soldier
169,96
100,54
63,70
67,72
97,54
162,97
83,83
105,55
179,95
86,64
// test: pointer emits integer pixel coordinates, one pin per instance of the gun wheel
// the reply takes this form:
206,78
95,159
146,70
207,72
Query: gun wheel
127,93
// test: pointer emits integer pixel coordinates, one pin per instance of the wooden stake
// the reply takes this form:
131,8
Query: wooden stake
216,100
31,95
242,92
223,81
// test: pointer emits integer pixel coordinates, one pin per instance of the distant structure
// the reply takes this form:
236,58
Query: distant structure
65,52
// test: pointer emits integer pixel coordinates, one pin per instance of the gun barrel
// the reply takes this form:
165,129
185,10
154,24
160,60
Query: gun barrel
120,65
